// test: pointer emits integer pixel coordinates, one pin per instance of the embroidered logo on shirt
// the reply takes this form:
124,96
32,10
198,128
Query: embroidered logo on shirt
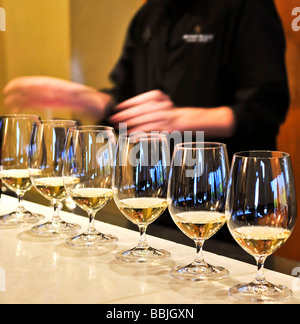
198,36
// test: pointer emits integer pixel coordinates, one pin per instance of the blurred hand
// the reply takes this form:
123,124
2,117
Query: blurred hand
41,92
149,111
27,92
155,111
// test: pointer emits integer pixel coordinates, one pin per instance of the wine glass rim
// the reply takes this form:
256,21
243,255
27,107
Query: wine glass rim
261,154
93,128
21,116
58,121
200,145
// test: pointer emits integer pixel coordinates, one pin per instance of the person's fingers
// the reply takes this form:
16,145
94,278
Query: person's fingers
148,119
12,86
144,97
146,108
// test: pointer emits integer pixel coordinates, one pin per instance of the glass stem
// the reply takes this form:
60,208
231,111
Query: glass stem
260,276
143,240
20,208
92,228
199,259
56,218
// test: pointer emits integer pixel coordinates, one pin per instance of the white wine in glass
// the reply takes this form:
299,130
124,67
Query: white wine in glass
196,199
87,175
199,224
47,150
142,210
89,198
261,210
16,134
140,183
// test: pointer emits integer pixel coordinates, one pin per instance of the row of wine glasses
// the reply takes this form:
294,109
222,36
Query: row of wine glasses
76,161
256,198
259,208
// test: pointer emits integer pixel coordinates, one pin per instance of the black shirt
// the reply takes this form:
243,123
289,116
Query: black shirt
211,53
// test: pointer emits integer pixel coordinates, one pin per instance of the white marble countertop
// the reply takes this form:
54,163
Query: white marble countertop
40,271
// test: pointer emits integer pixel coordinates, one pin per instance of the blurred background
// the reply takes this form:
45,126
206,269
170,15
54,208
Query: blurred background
80,40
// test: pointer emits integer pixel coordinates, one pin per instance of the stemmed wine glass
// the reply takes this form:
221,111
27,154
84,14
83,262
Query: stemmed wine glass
140,187
47,149
261,209
89,165
196,199
16,132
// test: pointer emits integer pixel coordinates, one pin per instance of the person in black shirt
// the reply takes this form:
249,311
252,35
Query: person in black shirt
213,66
211,58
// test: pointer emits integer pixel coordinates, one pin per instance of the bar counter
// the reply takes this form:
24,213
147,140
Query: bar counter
46,271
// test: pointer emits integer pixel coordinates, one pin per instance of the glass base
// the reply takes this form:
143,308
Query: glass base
58,228
254,292
23,218
91,239
199,272
138,254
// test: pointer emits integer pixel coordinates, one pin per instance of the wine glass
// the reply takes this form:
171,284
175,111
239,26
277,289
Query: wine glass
16,134
196,200
47,148
87,174
261,208
140,187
